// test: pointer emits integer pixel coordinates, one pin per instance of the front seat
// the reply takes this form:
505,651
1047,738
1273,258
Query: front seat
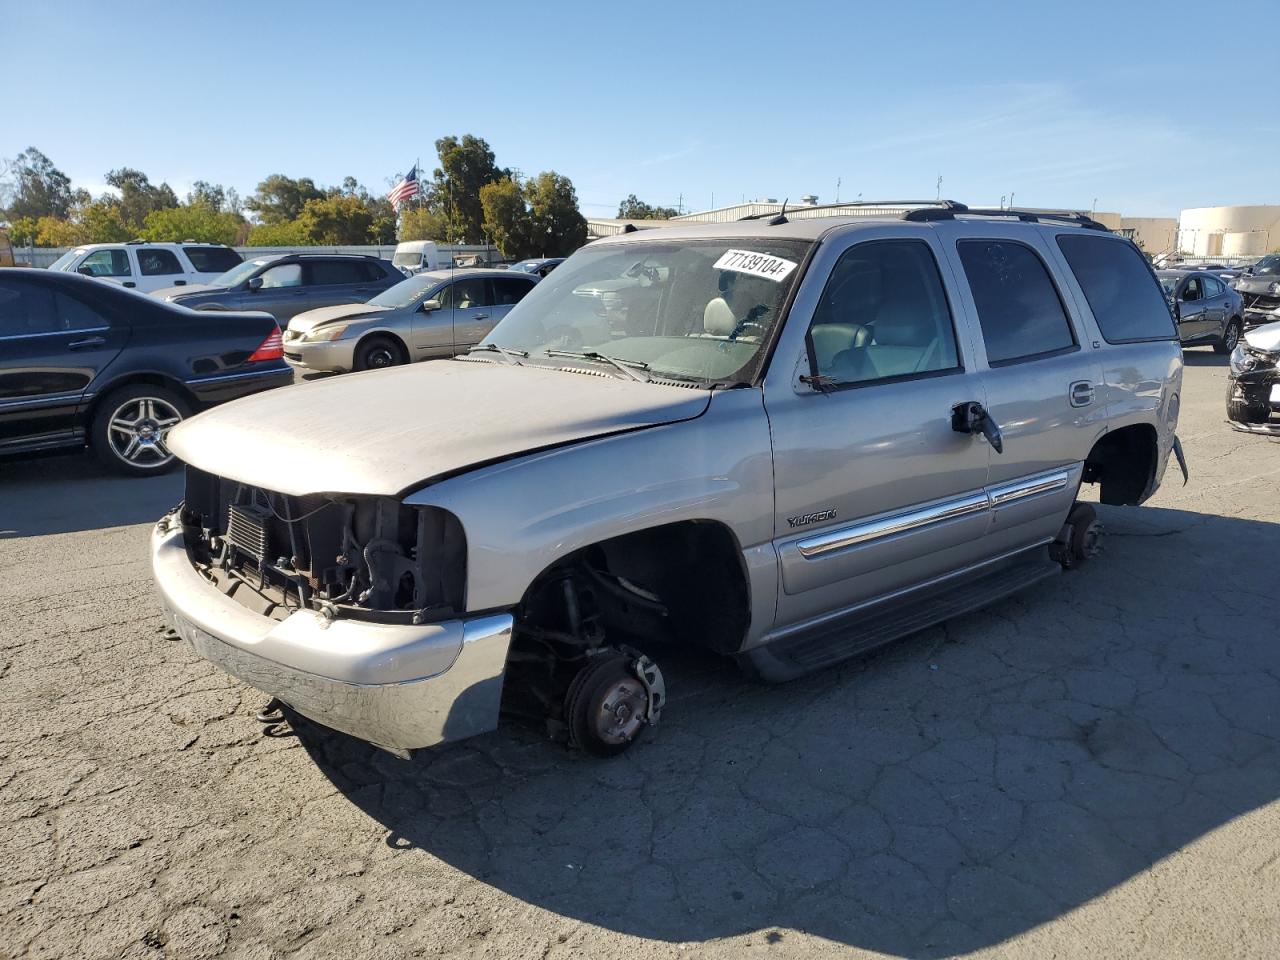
829,339
718,319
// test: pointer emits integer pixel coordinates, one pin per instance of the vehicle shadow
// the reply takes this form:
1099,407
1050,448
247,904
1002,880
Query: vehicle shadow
955,790
68,492
1204,358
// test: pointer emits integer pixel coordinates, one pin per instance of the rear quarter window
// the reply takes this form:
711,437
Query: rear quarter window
212,259
1124,297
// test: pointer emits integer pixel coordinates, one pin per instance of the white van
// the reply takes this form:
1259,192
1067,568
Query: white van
415,256
150,266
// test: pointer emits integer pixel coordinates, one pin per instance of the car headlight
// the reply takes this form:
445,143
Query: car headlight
1275,288
322,334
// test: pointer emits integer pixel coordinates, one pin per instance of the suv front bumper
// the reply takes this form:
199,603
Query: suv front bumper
397,686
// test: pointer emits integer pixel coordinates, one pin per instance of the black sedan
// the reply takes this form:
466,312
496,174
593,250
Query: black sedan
83,361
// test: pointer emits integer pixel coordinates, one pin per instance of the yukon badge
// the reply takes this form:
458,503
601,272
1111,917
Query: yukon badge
807,518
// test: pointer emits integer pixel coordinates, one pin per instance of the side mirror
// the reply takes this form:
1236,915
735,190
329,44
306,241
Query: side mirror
86,271
254,284
430,306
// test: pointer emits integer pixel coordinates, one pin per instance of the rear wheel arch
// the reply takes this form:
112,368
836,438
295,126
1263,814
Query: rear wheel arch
1123,463
172,384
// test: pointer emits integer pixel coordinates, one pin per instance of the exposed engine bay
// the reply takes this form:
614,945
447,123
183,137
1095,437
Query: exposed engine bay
360,556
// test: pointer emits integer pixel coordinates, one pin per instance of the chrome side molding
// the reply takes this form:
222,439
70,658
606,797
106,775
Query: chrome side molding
968,504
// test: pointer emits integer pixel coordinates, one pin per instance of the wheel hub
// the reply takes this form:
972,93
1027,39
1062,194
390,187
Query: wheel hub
138,428
621,712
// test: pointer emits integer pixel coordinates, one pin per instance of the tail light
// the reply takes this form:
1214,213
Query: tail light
270,348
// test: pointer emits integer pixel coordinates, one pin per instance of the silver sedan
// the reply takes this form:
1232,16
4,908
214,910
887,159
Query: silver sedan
440,313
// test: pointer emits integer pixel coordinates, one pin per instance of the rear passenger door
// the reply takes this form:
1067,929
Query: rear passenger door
158,268
336,281
875,492
1043,387
1215,305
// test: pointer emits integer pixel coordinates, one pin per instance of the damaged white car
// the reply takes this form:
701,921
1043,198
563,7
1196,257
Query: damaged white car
782,441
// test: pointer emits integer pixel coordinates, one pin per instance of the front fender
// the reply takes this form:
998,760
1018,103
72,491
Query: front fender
522,515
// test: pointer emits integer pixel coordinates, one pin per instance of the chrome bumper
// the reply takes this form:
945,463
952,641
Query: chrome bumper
397,686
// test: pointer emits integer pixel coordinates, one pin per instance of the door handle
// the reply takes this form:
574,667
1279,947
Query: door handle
479,316
1081,393
179,283
86,342
128,283
971,417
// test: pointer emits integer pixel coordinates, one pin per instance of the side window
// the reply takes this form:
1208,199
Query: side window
329,272
1125,299
883,314
73,315
470,292
211,259
506,292
1212,288
1019,309
156,263
1192,290
25,309
445,296
285,275
107,263
372,273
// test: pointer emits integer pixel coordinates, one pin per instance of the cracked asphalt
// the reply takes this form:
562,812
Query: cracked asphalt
1090,768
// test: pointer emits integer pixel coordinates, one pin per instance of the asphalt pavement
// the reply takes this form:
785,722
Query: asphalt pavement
1087,769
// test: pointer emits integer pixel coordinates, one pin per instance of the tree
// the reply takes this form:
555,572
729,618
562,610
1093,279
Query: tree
288,234
633,208
192,221
538,218
36,188
466,165
23,232
280,199
422,223
57,232
139,196
557,227
337,220
103,222
506,217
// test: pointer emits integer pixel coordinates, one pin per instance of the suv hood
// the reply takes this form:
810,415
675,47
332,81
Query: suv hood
385,431
307,321
1260,284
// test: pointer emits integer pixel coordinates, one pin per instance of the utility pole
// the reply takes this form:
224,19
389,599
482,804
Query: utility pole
680,204
939,196
837,189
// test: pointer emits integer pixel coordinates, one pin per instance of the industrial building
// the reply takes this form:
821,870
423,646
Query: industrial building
1244,231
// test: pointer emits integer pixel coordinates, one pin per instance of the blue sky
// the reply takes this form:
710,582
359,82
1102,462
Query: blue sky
1146,108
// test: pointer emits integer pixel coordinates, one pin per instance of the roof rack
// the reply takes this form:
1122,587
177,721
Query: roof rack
805,208
1026,216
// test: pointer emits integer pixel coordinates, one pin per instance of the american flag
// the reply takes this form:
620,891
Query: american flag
406,188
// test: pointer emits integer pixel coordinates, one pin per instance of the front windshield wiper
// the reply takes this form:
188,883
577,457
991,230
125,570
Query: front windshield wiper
507,353
629,367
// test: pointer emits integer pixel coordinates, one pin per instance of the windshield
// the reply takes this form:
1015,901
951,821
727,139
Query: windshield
405,293
691,309
1268,266
64,261
239,273
407,258
525,266
1169,283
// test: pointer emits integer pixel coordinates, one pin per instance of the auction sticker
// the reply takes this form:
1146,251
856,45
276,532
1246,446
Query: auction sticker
764,265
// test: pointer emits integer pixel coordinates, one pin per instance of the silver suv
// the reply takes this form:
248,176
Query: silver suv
786,441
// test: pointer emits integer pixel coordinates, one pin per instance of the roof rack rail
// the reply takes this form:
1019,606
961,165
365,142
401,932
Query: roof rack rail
944,204
1026,216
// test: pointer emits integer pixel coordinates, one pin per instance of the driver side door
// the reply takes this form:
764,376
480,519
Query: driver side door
1194,322
473,311
431,331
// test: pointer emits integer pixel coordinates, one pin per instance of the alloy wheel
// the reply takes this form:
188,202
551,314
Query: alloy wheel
138,429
